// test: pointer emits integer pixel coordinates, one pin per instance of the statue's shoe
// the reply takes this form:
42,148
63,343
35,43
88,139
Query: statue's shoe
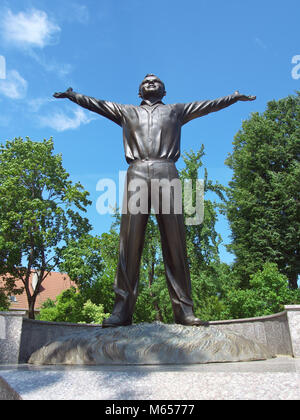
116,320
191,321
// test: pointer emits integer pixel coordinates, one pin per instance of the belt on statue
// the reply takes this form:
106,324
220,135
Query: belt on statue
152,160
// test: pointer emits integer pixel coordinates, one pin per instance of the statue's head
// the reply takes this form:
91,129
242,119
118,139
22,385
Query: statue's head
152,87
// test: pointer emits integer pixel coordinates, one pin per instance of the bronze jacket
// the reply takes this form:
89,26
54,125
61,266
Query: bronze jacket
152,131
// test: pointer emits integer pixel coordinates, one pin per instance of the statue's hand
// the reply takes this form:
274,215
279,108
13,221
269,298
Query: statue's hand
241,97
65,94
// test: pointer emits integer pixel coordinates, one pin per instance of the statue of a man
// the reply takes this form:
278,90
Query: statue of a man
151,133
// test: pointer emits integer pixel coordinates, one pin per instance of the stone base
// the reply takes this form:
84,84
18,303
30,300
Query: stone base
150,344
7,393
293,313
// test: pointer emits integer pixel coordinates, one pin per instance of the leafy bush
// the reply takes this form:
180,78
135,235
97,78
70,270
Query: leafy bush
70,306
268,293
4,302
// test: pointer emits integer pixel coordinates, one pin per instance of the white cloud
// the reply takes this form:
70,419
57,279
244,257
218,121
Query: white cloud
29,29
60,121
34,105
50,64
14,86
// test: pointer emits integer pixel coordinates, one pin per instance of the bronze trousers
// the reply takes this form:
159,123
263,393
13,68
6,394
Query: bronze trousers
140,176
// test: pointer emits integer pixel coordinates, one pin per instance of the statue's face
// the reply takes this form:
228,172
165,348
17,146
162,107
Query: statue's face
152,87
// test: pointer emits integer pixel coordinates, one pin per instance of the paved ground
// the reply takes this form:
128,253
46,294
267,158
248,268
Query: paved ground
276,379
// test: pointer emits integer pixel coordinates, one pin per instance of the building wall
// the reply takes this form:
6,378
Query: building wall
53,285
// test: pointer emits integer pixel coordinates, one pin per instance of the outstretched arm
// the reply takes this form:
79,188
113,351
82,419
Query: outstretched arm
244,98
107,109
67,94
199,109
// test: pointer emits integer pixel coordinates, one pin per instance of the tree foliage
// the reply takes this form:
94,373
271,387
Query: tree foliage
203,241
40,212
264,195
72,306
267,294
82,259
4,302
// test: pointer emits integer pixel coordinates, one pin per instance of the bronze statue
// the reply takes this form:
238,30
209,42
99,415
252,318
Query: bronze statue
151,133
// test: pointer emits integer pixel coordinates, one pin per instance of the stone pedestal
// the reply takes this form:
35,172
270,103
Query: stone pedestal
7,393
21,337
10,336
293,314
150,344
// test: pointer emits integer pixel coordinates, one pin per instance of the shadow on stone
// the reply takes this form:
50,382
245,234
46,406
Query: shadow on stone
7,392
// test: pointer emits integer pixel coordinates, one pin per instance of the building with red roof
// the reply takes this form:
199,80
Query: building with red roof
53,285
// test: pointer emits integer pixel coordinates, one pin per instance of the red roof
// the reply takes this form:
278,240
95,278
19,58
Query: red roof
52,286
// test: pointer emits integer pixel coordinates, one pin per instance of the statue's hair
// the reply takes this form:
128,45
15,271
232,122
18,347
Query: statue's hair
147,75
151,74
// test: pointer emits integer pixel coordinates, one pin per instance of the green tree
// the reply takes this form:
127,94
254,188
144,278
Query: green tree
209,290
267,294
91,263
82,260
202,239
40,212
71,306
102,290
264,195
4,302
149,306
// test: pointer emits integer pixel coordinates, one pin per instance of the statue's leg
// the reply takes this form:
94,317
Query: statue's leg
173,238
173,241
132,235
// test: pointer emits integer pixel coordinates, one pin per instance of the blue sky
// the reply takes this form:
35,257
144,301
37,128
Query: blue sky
103,48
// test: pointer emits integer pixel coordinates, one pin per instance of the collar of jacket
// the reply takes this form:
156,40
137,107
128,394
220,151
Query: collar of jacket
146,102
